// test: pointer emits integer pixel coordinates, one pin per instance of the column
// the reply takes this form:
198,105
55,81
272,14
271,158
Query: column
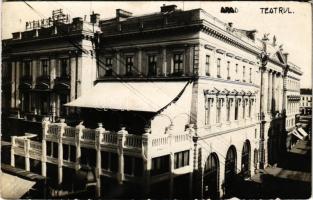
274,103
13,79
171,185
45,126
192,133
99,136
270,92
12,150
34,71
120,151
17,98
53,65
146,147
164,61
265,91
78,135
60,151
26,151
140,70
73,77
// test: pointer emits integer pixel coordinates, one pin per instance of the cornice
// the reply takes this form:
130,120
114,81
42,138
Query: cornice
228,37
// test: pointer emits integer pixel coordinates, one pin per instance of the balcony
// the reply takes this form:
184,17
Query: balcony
62,82
43,82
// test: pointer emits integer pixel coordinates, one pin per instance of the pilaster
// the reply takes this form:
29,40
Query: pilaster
120,151
99,136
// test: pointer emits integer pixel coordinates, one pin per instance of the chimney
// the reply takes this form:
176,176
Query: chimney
169,8
94,18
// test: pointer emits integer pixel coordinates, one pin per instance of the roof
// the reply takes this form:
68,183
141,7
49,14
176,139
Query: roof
131,96
13,187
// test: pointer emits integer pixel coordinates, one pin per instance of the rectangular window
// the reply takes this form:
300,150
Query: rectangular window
27,68
218,108
45,68
218,68
243,109
160,165
250,107
178,64
108,66
236,69
244,73
152,65
64,98
228,109
129,65
236,109
207,65
207,111
250,75
65,69
181,159
228,67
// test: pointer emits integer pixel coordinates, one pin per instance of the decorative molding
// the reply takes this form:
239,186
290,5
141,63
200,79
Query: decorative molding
207,46
238,58
245,60
230,55
220,51
251,63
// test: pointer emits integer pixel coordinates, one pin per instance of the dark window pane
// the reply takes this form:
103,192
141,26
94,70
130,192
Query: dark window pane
128,164
114,162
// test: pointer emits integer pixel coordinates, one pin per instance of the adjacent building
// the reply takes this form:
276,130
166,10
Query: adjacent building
49,64
183,104
305,101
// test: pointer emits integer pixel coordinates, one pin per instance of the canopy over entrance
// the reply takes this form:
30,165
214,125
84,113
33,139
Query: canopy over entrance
131,96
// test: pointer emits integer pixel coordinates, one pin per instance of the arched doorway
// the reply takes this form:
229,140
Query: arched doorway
245,159
256,159
211,177
230,170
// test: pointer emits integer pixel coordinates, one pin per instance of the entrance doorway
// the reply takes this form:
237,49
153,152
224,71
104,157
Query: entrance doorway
211,177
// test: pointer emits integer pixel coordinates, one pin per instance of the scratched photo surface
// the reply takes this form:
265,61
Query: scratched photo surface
156,99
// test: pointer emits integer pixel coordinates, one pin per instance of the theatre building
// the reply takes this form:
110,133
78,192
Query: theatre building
183,106
43,68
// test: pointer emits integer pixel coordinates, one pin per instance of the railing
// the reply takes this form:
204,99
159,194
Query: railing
89,134
19,142
53,129
109,138
37,146
69,131
160,141
133,141
182,138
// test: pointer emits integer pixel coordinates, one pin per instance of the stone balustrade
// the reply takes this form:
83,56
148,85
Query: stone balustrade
146,146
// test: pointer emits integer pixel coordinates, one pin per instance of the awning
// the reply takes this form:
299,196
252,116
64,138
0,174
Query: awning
297,134
300,130
13,187
131,96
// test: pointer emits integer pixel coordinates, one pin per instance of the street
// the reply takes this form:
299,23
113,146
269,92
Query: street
291,178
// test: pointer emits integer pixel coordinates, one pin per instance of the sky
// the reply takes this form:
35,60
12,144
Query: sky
293,30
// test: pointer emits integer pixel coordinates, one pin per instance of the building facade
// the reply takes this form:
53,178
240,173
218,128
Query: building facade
46,68
186,105
306,101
